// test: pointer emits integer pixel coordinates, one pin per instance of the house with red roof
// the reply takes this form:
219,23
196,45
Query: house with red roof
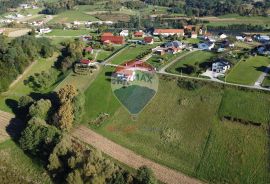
87,62
89,50
139,34
148,40
168,32
109,38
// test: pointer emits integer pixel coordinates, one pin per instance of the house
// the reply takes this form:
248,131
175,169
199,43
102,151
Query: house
221,67
240,38
25,6
262,38
108,38
206,45
87,62
89,50
139,34
76,23
248,39
264,50
44,30
193,35
175,44
148,40
160,51
124,33
173,50
222,35
126,75
168,32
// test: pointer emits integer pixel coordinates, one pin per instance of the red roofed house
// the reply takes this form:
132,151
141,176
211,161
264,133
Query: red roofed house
89,50
169,32
87,62
108,38
139,34
148,40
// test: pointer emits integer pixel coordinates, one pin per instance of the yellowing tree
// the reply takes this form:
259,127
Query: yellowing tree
65,116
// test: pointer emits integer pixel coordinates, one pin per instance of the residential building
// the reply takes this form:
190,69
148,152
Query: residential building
148,40
206,45
240,38
169,32
262,38
176,44
108,38
193,35
89,50
221,67
264,50
44,30
139,34
222,35
124,33
87,62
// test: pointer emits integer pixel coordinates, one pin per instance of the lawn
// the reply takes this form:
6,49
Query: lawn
17,167
198,57
131,53
69,32
72,15
246,105
168,132
266,82
20,89
248,71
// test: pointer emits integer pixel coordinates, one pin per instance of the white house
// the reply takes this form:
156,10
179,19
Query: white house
221,67
124,32
206,46
25,6
222,35
126,75
240,38
76,23
44,30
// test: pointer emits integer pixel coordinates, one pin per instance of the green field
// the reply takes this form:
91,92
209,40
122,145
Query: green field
181,129
69,32
20,89
131,53
266,82
198,57
72,15
17,167
248,71
238,104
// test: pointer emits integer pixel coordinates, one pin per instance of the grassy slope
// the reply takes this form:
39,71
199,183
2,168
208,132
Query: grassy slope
17,167
247,72
196,57
131,53
20,89
171,134
60,32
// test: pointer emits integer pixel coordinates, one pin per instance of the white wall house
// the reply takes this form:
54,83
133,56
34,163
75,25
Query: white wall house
206,46
124,32
44,30
221,67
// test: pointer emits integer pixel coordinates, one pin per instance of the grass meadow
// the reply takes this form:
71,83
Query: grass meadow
61,32
248,71
198,57
181,129
17,167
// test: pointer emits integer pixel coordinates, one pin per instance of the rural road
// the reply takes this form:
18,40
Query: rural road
130,158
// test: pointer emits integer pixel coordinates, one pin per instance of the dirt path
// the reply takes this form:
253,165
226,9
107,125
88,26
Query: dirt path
130,158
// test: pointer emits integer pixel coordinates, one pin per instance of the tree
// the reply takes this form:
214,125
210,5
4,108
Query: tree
145,176
74,177
40,109
78,106
64,118
67,94
25,101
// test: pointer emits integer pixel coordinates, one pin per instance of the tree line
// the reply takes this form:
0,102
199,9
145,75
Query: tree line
17,54
46,137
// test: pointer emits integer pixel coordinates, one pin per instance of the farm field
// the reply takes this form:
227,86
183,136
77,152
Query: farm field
72,15
247,72
161,131
17,167
198,57
131,53
60,32
20,89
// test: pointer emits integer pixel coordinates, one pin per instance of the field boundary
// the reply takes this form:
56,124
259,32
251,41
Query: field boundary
130,158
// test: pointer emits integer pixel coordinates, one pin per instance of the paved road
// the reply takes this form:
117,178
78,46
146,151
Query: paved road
130,158
163,69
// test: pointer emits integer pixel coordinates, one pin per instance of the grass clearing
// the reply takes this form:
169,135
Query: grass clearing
20,89
131,53
248,71
191,59
253,106
72,15
266,82
171,134
69,32
17,167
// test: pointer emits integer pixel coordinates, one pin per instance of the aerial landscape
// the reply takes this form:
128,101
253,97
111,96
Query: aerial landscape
135,91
